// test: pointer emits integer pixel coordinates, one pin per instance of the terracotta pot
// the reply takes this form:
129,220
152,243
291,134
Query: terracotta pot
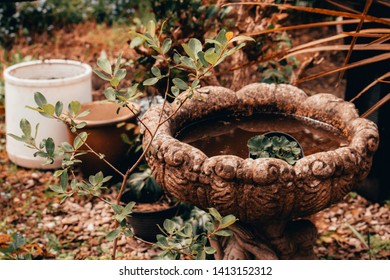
104,136
146,224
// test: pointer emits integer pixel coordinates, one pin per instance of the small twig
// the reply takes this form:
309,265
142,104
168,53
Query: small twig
106,161
138,118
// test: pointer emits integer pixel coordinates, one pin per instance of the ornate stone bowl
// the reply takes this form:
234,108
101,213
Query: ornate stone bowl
267,188
264,190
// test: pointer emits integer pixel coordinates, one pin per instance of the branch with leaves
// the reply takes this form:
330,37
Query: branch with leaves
195,63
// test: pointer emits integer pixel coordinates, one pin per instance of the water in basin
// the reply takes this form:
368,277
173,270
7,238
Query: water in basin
229,136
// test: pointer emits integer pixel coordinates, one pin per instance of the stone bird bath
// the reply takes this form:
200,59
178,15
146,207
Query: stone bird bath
267,195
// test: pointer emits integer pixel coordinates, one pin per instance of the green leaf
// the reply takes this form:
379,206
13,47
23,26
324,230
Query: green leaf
18,240
188,230
101,75
58,108
151,28
188,62
105,65
99,177
188,51
17,138
221,37
162,240
58,173
41,154
128,208
210,250
113,234
106,179
150,81
39,99
242,38
202,59
213,212
81,125
34,109
196,47
117,208
227,221
175,90
73,185
49,146
136,42
224,232
212,41
156,71
48,109
234,50
169,226
25,126
74,107
110,94
67,147
120,217
210,227
64,180
176,58
118,63
80,140
201,255
56,188
166,45
120,74
114,82
180,83
211,57
195,83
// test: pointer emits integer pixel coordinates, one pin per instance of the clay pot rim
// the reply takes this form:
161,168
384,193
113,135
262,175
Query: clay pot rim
111,121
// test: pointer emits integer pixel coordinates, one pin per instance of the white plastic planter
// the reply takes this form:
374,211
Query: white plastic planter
57,80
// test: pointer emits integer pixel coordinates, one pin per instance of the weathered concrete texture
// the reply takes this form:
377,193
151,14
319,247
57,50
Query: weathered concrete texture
265,189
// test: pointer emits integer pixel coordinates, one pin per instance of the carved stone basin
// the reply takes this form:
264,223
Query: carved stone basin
265,194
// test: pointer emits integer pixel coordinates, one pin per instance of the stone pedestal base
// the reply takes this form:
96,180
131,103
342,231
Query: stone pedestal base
281,240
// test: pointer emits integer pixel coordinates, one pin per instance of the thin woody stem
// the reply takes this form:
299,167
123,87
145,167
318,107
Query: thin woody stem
138,119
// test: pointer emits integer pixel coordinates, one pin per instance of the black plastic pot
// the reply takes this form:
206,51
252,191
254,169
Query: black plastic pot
146,224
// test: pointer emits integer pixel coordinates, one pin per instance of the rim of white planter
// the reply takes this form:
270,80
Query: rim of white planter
20,74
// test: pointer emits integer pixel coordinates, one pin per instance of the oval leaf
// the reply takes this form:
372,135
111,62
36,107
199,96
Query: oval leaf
166,45
39,99
105,65
25,126
74,107
80,140
113,234
180,83
150,82
49,146
58,108
48,109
